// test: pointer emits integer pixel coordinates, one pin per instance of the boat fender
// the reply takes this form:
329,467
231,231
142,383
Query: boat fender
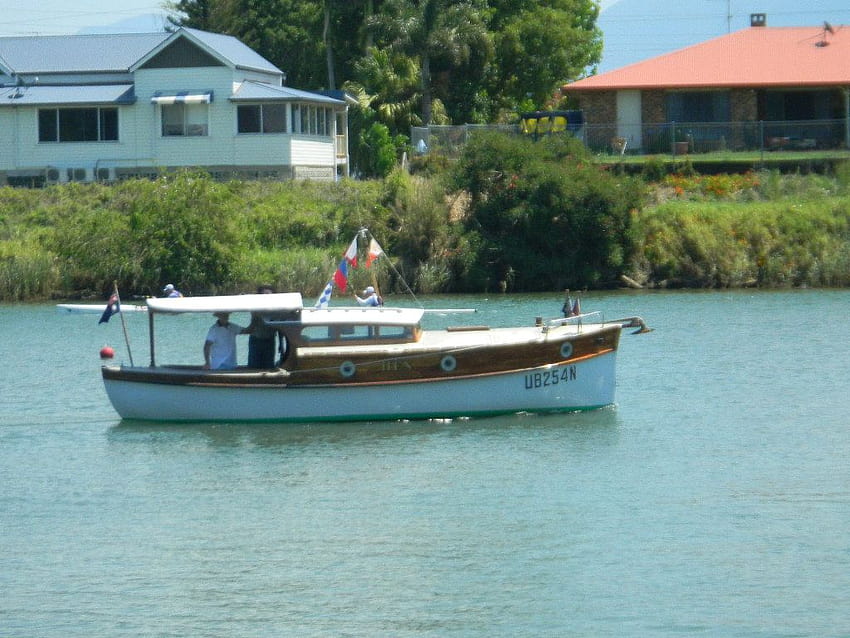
347,369
566,349
448,363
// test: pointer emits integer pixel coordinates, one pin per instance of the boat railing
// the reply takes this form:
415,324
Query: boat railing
579,320
596,318
633,322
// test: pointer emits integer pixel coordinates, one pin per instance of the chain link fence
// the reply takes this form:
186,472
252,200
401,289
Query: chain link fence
669,138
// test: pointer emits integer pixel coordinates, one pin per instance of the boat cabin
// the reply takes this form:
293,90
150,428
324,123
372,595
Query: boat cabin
304,327
353,326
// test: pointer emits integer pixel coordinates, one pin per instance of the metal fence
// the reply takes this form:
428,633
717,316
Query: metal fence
673,138
449,140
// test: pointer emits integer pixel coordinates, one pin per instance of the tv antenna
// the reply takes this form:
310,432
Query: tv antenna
827,28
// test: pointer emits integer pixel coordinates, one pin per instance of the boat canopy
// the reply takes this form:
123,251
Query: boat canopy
283,302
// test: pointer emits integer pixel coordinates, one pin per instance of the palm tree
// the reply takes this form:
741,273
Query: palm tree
432,30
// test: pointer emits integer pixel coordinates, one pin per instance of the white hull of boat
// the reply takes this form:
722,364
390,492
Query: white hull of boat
582,385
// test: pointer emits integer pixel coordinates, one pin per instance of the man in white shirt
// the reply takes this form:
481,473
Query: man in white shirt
220,344
171,291
370,298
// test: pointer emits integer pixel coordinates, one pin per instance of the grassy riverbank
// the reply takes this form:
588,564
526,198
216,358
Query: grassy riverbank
509,216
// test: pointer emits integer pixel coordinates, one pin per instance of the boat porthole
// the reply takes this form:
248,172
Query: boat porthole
347,369
448,363
566,349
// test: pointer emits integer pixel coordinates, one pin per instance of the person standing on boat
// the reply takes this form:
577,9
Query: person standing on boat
261,343
370,298
171,291
220,344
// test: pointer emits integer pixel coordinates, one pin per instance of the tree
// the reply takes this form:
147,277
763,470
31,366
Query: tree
387,84
541,45
207,15
473,58
541,216
442,33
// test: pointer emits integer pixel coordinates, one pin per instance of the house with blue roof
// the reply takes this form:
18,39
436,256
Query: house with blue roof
110,107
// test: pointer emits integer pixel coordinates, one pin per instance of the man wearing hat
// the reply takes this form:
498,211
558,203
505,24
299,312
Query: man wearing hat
370,298
171,291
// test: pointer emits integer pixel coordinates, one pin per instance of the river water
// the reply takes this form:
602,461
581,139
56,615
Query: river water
712,500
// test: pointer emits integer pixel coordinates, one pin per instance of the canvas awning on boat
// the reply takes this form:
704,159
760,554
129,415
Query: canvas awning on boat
282,302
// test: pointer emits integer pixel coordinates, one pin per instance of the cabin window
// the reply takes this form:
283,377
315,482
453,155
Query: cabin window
185,120
324,335
395,332
261,118
336,333
78,125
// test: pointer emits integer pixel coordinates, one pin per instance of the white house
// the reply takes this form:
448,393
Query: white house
105,107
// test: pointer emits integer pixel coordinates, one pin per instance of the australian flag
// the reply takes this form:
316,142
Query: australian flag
114,306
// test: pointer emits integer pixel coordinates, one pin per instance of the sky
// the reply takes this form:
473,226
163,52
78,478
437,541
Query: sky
61,17
633,30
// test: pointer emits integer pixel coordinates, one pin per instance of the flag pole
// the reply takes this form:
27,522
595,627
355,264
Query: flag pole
123,324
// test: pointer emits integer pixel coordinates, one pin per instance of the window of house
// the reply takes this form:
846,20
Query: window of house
312,120
78,125
296,118
698,106
322,124
185,119
266,118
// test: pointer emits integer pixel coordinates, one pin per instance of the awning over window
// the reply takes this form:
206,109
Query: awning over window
113,94
183,97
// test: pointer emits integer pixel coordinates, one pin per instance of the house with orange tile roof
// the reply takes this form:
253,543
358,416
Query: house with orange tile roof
779,86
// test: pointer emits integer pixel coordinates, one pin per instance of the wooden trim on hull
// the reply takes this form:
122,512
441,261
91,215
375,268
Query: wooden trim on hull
323,367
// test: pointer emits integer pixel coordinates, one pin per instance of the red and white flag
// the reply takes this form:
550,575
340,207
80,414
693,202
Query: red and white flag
351,253
375,251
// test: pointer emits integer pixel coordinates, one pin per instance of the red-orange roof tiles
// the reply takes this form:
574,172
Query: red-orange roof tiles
753,57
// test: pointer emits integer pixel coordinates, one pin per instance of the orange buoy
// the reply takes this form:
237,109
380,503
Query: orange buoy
106,352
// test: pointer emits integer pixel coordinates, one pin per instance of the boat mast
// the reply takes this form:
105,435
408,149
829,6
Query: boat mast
150,334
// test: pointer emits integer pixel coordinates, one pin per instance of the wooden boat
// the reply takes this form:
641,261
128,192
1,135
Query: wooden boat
358,363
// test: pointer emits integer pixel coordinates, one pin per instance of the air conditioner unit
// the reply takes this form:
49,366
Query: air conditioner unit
104,174
52,174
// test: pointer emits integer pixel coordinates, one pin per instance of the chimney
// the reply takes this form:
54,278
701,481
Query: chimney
758,19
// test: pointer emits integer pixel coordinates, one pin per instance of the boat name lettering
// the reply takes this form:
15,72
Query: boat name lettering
393,365
548,378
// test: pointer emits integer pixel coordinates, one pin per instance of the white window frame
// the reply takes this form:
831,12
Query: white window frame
184,120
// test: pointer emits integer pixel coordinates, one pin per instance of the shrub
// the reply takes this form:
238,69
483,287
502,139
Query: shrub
546,218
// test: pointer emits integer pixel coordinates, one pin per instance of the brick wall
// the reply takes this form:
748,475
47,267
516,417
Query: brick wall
600,107
653,108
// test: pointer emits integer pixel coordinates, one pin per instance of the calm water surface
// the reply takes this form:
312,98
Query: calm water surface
713,500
